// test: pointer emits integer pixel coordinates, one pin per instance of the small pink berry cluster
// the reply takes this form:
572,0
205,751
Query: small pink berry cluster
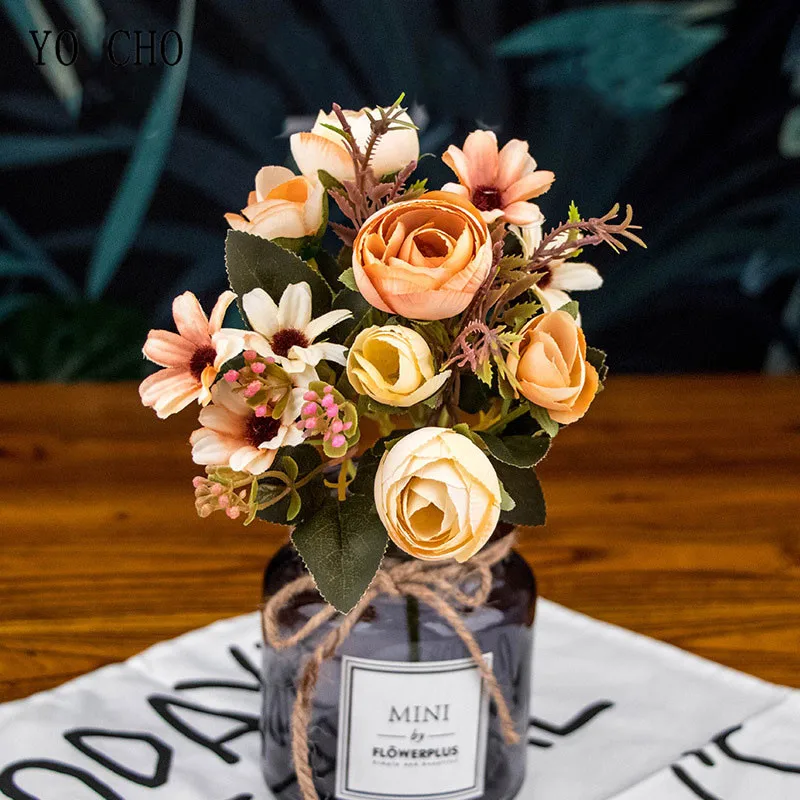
252,381
321,416
211,496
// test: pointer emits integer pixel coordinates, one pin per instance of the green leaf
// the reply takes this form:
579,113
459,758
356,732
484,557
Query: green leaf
348,278
290,467
142,173
473,436
435,334
362,314
253,262
542,416
328,181
312,495
517,451
474,395
597,358
517,316
329,267
342,545
345,257
415,189
574,215
571,308
295,504
485,371
506,500
524,488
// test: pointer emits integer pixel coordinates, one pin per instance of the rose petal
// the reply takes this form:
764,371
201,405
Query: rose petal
267,178
313,152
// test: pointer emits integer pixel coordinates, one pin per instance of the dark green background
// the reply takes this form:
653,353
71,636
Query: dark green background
112,195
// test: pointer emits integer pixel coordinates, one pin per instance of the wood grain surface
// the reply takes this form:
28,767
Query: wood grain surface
674,510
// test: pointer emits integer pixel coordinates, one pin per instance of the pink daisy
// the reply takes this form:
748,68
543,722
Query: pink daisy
234,436
190,358
498,184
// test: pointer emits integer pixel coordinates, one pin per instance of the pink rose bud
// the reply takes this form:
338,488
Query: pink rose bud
310,424
258,367
328,400
252,388
328,389
347,426
231,375
269,360
216,489
332,411
312,397
261,411
337,426
326,436
338,440
233,513
198,481
250,355
224,501
310,409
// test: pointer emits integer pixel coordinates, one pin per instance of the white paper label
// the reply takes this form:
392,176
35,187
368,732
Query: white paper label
411,730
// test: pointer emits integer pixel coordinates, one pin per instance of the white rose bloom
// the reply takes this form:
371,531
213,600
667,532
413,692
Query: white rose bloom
322,148
437,495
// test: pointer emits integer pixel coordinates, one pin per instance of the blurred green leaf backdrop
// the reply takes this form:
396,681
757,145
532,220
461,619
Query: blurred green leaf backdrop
114,180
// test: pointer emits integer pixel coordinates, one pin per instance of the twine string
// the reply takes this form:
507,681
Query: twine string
439,587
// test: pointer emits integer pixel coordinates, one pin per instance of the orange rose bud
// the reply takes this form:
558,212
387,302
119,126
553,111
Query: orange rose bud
423,259
551,368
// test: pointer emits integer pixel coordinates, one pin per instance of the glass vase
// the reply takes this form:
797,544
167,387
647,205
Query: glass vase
399,712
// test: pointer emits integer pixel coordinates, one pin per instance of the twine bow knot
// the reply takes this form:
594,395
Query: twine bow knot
443,588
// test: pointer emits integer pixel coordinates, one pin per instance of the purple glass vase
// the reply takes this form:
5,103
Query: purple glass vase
400,711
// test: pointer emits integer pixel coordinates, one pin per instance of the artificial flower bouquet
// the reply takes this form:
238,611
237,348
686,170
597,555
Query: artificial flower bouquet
402,386
442,326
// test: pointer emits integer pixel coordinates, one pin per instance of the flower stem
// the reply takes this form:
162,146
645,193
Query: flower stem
501,424
412,620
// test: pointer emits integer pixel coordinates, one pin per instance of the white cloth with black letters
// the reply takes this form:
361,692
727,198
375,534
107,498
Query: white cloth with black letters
615,715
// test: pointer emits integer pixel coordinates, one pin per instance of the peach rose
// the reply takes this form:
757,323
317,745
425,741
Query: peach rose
283,206
551,367
423,259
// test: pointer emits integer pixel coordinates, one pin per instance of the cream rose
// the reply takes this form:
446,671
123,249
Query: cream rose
437,495
551,367
393,365
283,206
322,148
423,258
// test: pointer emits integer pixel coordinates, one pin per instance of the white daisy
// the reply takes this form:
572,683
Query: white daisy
286,331
234,436
560,276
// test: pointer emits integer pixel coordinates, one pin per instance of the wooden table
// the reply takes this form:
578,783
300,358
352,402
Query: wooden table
674,510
